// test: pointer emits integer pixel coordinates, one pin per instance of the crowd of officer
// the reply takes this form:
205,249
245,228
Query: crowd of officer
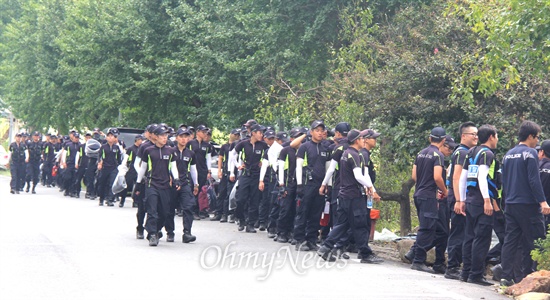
459,206
287,183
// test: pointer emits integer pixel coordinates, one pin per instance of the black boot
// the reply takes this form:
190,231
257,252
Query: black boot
122,200
187,237
223,219
33,189
153,240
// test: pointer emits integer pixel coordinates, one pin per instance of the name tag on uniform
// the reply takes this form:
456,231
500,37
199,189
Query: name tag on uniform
166,157
203,148
473,170
186,159
323,154
115,150
258,151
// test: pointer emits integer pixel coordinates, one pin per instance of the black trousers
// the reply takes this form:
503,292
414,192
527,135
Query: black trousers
352,214
222,194
285,221
477,240
225,200
266,200
17,170
33,172
68,178
456,238
185,200
248,195
524,225
441,233
158,204
308,214
79,175
275,205
105,181
141,209
428,215
47,172
90,177
500,230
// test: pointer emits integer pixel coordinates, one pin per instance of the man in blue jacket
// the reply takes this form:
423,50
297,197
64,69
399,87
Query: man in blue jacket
525,202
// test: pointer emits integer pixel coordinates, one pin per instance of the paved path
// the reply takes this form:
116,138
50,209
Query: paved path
53,247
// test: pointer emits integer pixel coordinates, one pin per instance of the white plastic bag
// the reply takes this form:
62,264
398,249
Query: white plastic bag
233,197
119,184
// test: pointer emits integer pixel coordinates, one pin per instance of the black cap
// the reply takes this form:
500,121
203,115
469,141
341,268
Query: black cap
113,131
330,133
209,132
72,131
257,127
18,134
236,131
283,136
295,132
353,135
317,123
161,130
269,134
343,128
151,127
36,133
76,134
450,141
545,146
438,132
250,123
183,131
138,137
202,128
53,137
191,129
88,134
182,125
370,133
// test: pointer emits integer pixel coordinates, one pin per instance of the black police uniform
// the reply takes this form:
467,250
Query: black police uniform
139,190
131,174
49,161
353,213
71,149
249,194
310,207
17,165
184,197
82,164
544,169
479,226
201,150
33,167
110,157
425,199
456,232
285,222
223,190
91,171
158,188
522,189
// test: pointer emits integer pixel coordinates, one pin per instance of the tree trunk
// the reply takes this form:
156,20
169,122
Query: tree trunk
404,205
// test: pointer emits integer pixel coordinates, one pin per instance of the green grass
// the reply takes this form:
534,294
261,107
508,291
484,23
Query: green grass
5,173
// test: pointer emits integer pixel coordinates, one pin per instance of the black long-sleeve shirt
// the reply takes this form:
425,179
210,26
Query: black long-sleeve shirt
520,176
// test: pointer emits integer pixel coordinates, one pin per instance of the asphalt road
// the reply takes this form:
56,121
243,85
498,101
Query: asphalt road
53,247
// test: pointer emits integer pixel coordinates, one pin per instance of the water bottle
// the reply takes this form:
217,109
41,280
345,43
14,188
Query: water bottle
369,201
325,216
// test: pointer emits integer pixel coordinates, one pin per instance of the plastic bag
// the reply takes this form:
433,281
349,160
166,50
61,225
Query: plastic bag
119,184
233,197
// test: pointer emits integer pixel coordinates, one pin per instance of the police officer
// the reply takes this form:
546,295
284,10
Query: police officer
251,151
268,175
188,188
49,159
203,154
468,139
131,175
525,202
544,169
311,163
352,207
158,162
225,185
287,181
91,151
110,157
139,189
427,172
35,147
82,162
18,155
69,161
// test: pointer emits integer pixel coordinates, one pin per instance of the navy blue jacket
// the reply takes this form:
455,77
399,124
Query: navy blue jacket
520,176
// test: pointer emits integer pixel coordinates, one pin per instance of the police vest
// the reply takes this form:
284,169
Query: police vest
449,181
493,178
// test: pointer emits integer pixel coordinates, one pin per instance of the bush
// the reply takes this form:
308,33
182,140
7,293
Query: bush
541,253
